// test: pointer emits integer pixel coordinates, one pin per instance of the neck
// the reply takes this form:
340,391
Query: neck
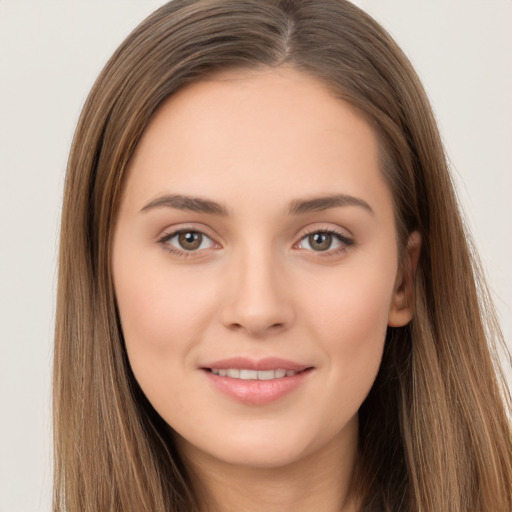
319,481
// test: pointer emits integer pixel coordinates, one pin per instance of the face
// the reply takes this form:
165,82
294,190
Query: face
255,266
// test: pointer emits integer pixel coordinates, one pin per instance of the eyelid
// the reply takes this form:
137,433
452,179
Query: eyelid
325,227
344,239
171,232
337,234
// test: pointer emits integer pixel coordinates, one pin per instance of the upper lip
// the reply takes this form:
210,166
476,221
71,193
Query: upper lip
266,363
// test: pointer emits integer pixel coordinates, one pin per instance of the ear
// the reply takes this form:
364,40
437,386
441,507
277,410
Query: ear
402,304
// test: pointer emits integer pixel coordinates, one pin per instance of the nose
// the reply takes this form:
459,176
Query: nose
258,299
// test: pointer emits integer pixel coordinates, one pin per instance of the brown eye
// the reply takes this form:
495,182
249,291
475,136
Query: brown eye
190,240
320,241
186,242
323,241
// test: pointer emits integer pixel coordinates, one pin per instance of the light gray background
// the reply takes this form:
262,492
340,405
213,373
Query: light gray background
50,53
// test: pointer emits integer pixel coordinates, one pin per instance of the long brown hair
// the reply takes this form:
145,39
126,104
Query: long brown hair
434,433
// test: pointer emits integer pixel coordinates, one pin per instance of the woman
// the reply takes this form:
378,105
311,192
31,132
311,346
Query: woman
266,297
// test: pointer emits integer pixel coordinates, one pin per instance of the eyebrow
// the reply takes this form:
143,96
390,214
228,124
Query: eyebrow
318,204
296,207
183,202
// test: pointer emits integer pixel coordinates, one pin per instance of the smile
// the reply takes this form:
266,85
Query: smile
257,382
244,374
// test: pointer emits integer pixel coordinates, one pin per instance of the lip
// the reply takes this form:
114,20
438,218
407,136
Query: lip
257,392
267,363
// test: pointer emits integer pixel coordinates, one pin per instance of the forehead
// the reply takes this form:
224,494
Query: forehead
245,136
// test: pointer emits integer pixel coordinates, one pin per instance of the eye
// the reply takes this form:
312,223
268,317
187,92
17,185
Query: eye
186,241
325,240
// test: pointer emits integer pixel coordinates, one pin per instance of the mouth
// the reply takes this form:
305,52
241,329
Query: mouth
246,374
257,382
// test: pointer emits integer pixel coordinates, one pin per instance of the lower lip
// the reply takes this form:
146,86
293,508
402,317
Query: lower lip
258,392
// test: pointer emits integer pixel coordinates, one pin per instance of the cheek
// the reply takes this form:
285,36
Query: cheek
163,319
162,314
349,317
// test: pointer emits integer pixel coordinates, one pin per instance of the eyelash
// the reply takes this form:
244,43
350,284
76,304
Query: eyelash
163,241
343,239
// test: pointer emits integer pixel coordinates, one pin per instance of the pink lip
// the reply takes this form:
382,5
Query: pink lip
267,363
257,392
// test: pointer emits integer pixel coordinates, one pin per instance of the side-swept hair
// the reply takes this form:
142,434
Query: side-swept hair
434,433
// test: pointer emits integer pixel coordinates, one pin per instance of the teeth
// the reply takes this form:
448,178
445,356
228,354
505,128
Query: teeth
248,374
266,375
243,374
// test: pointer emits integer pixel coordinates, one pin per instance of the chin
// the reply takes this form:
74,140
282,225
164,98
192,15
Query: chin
269,446
259,454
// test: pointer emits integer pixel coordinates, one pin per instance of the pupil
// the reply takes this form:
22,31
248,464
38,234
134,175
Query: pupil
320,241
190,240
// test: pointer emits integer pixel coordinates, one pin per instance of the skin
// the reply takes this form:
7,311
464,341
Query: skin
257,286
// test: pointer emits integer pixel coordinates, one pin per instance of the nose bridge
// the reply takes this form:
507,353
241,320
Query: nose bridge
257,300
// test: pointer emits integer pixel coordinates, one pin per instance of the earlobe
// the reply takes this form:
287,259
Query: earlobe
402,305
